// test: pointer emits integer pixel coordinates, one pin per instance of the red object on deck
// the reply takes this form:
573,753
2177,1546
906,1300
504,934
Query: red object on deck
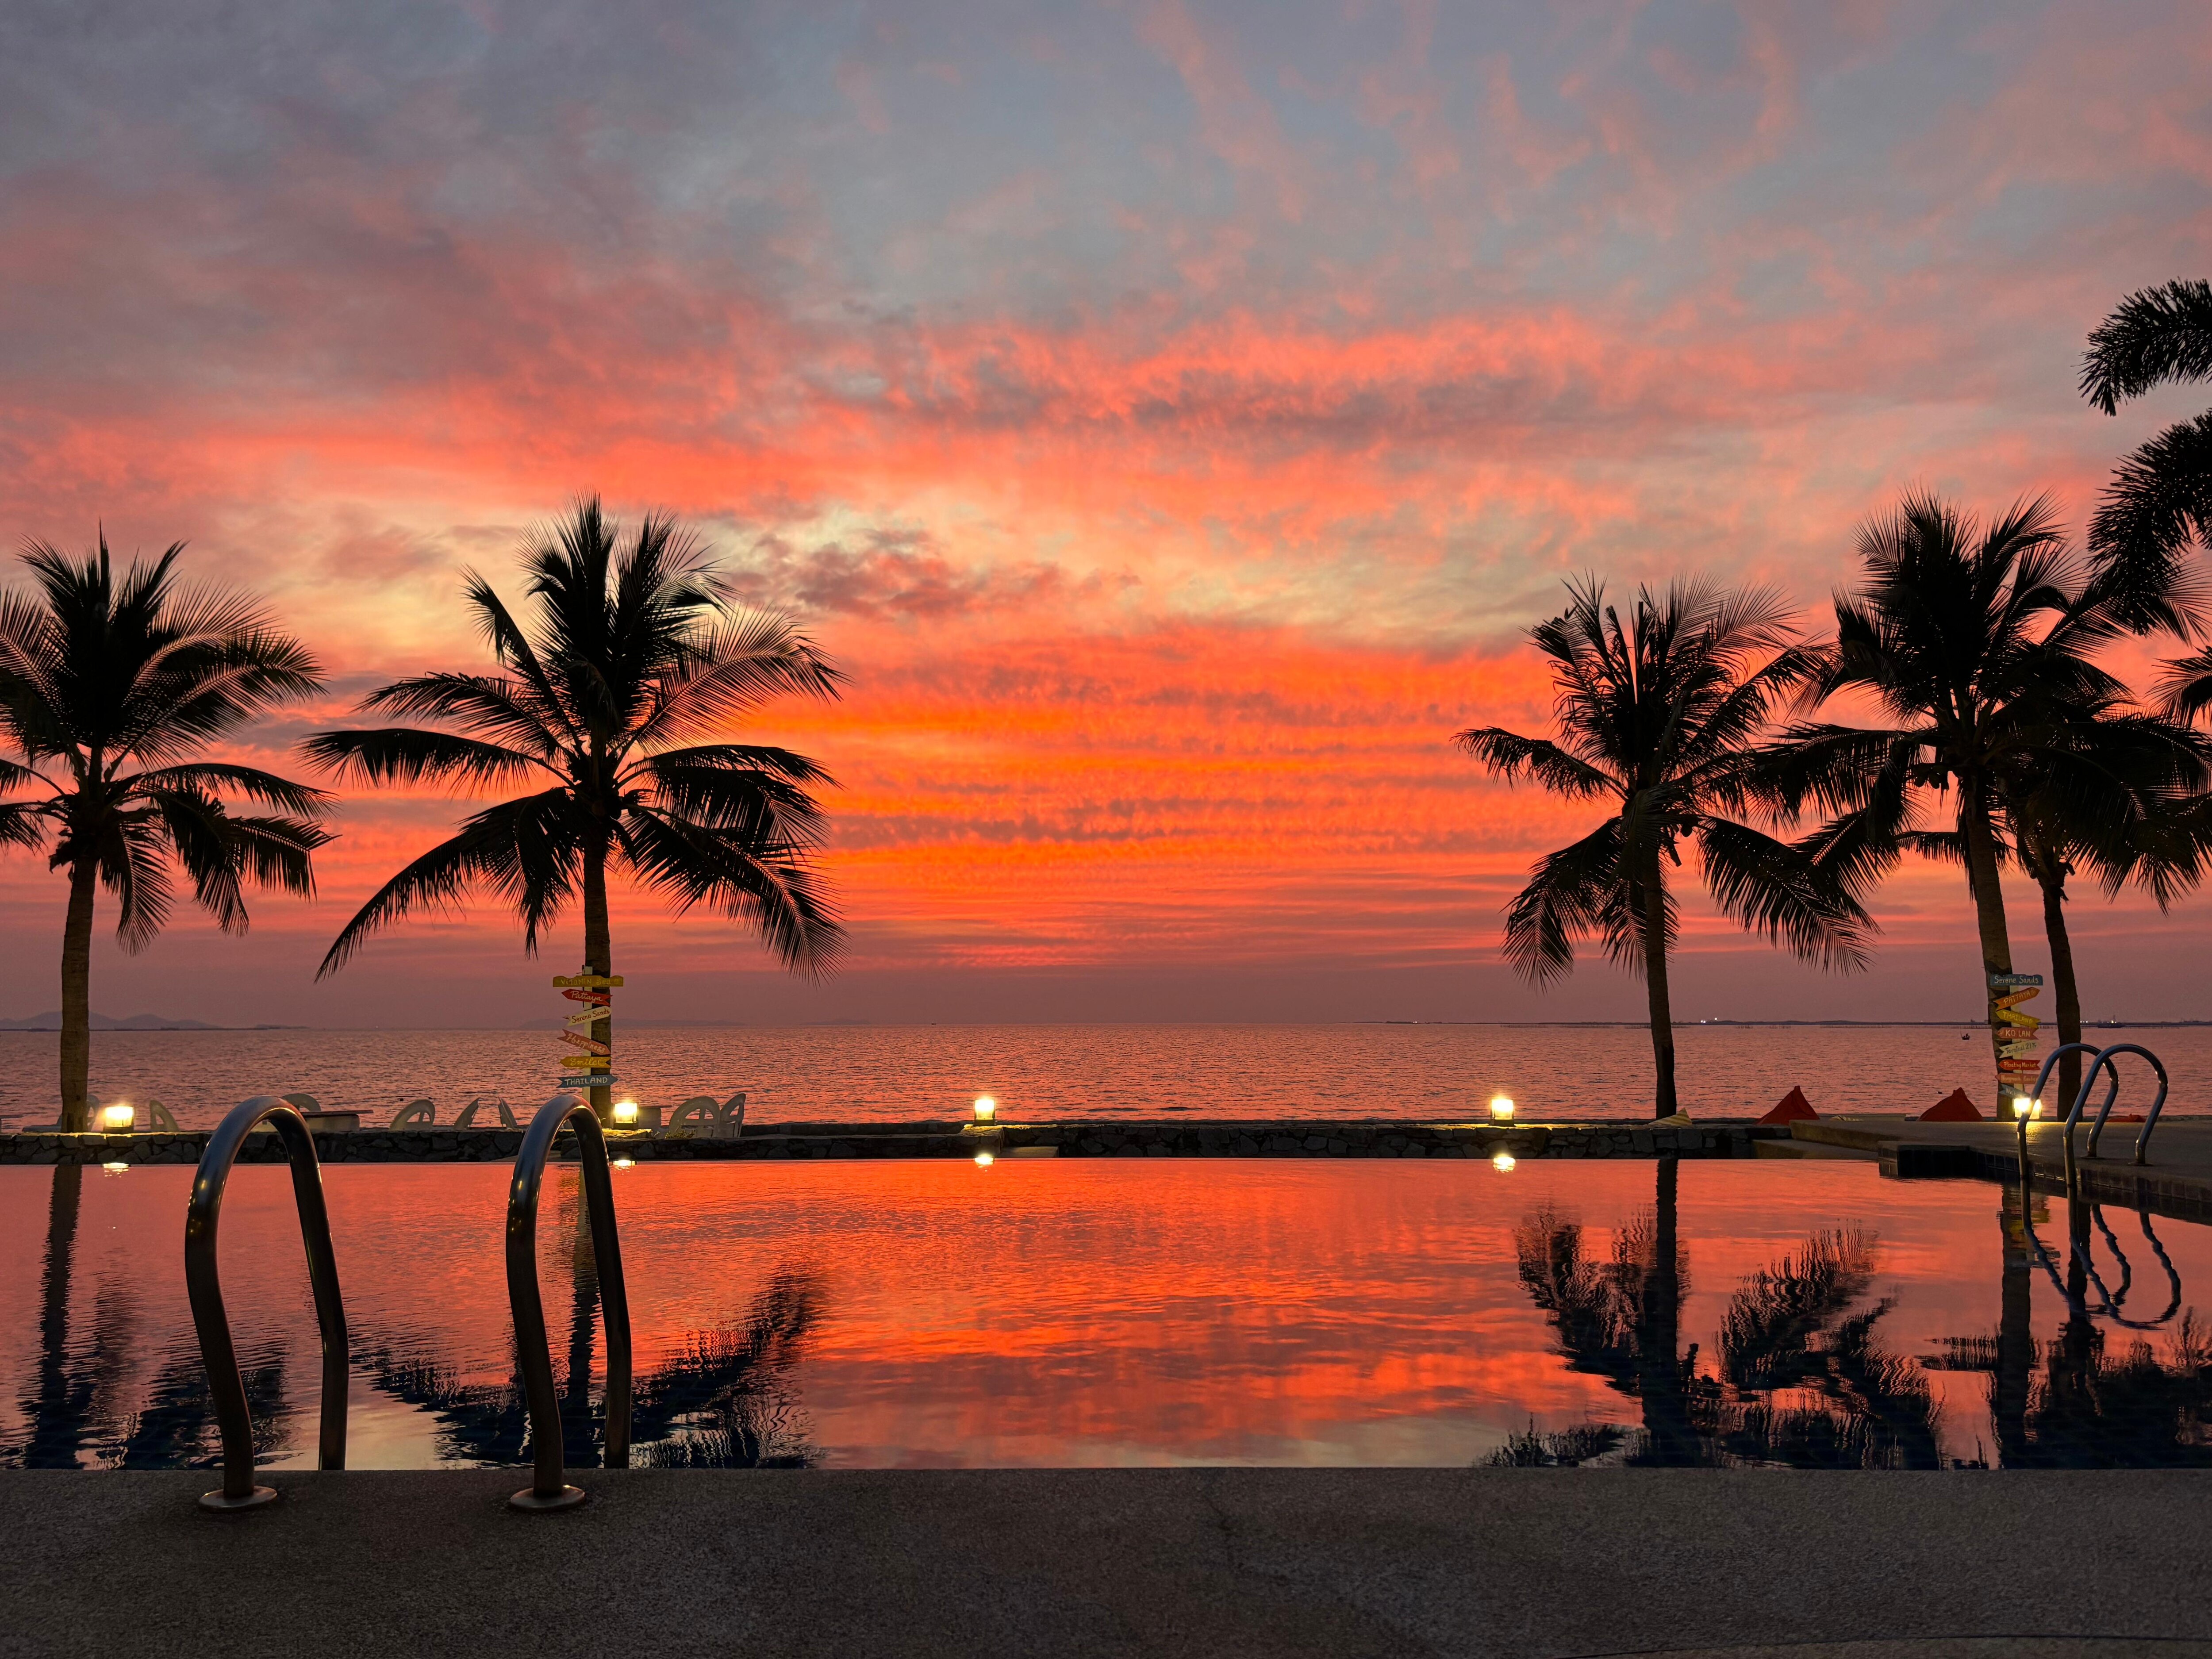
1793,1108
1953,1108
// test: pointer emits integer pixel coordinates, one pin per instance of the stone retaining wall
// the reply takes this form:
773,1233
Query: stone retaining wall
1169,1138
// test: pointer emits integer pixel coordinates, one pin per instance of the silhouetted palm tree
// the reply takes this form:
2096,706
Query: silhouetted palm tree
1661,716
2109,793
2160,498
633,657
107,690
1976,645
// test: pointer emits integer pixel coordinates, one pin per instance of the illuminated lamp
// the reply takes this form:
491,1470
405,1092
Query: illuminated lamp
114,1168
625,1164
987,1110
119,1117
1501,1108
2023,1107
1502,1163
983,1160
625,1115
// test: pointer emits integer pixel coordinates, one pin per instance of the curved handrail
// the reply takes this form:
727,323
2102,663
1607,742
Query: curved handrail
203,1287
2150,1118
2102,1060
547,1490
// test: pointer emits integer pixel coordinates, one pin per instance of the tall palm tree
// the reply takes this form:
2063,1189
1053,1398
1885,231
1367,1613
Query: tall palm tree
633,656
1660,717
107,689
2161,497
1975,646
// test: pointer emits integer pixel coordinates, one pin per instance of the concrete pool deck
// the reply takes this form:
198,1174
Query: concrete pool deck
1168,1562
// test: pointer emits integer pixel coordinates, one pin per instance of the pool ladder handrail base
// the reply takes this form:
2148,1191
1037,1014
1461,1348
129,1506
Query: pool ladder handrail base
547,1491
211,1321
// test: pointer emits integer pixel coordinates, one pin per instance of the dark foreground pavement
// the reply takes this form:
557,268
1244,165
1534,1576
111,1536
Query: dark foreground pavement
1198,1562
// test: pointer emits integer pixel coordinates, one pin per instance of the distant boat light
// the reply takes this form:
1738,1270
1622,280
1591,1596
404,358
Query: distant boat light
1501,1108
119,1117
987,1110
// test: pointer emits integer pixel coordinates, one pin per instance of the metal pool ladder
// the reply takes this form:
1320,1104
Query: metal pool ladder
547,1489
204,1286
2103,1061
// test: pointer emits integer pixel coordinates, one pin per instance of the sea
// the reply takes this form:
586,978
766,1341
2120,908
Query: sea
901,1074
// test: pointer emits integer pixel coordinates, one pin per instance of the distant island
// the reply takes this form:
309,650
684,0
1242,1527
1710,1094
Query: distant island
52,1022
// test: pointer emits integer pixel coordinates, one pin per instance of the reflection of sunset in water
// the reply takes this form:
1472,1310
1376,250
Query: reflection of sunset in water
1035,1312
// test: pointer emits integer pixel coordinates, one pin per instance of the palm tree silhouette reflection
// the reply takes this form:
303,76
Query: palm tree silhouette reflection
2081,1400
727,1399
1801,1380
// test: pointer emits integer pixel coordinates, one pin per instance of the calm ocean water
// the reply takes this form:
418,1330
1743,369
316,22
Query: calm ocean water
892,1072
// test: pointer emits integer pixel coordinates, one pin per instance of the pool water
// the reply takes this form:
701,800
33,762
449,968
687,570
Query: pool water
1076,1312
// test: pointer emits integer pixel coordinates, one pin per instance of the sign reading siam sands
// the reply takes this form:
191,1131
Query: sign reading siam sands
592,997
2016,1034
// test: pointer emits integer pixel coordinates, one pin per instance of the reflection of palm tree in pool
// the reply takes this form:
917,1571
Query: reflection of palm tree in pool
725,1399
1800,1383
72,1413
58,1410
2072,1402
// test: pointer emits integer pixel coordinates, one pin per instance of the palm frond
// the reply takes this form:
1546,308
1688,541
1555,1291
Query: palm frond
409,754
766,883
1570,893
526,850
1782,892
2154,336
1512,756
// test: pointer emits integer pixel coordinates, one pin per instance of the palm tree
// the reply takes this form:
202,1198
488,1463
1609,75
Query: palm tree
1660,717
1976,647
106,690
632,657
2161,497
2115,798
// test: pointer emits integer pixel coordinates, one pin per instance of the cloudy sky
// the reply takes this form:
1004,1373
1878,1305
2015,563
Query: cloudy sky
1170,413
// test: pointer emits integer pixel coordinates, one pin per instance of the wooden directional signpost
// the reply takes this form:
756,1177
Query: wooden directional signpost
2015,1035
590,1031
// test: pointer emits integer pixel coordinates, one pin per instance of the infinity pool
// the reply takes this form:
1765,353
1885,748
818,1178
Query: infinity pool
1061,1312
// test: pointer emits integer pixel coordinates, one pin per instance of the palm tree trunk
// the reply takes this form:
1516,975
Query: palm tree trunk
1989,918
598,958
76,1001
2053,879
1662,1013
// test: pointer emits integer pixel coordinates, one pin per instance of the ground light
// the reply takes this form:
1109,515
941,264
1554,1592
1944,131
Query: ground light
625,1164
987,1110
626,1115
114,1168
983,1160
1502,1162
1501,1108
118,1118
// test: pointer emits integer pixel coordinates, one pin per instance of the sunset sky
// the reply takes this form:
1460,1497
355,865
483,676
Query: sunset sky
1170,415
